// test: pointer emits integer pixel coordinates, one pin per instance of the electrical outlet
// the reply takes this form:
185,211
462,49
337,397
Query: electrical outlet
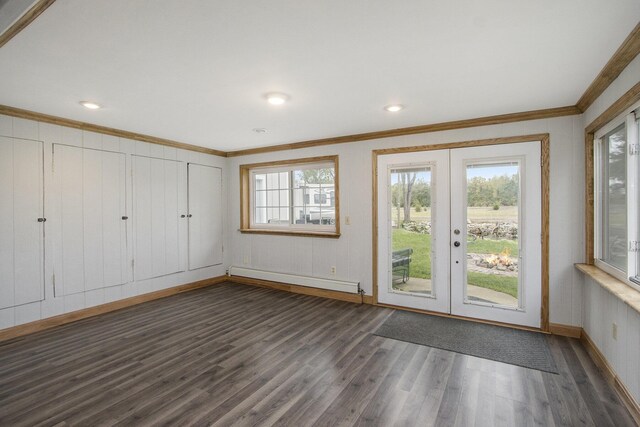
347,220
333,270
614,331
245,261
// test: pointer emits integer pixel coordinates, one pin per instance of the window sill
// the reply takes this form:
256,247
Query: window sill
328,235
624,292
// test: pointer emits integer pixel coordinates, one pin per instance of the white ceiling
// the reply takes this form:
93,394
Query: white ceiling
196,71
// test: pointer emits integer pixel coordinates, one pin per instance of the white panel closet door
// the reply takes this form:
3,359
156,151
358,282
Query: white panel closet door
90,250
159,214
205,216
21,235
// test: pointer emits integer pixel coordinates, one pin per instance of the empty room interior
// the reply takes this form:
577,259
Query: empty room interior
319,213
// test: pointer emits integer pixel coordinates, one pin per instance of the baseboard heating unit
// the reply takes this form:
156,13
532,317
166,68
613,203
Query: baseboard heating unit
292,279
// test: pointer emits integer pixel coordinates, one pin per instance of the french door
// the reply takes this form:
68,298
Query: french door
459,231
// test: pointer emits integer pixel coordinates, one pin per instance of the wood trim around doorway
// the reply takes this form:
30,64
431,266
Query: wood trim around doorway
544,140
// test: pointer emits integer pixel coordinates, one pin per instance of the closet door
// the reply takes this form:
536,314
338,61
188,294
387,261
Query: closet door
21,233
90,211
159,214
205,216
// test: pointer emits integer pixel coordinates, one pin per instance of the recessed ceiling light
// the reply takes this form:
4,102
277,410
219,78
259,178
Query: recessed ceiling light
259,130
394,108
277,98
90,105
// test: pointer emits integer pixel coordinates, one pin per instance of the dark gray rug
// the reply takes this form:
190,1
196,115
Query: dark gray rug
514,346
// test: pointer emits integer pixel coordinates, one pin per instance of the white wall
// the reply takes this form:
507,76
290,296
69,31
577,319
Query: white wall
352,253
601,308
50,134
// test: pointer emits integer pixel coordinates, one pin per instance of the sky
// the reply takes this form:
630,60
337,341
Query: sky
484,171
488,171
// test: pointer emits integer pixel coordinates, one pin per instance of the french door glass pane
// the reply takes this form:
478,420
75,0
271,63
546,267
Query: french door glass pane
614,185
493,200
411,225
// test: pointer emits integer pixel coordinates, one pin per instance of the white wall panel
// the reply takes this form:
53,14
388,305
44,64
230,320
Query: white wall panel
93,231
115,261
205,216
68,217
632,362
90,243
601,311
7,273
26,129
6,126
159,230
21,235
26,313
70,229
7,317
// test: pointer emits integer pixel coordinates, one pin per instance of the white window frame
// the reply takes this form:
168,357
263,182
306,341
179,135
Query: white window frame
631,120
248,190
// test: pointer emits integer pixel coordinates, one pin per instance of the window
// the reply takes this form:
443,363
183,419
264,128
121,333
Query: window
617,168
320,198
291,197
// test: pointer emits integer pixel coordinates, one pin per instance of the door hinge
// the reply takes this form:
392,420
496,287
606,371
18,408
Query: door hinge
634,246
53,279
133,263
634,149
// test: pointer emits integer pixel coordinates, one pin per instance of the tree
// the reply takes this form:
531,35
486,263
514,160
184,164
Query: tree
421,194
407,179
501,190
319,176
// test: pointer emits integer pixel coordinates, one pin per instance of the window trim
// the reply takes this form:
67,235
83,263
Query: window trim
629,117
247,200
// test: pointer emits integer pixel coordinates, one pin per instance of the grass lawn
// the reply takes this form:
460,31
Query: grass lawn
506,285
421,259
421,245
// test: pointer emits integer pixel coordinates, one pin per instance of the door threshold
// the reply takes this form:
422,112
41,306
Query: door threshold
471,319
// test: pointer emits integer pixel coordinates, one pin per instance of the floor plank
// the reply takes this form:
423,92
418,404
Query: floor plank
239,355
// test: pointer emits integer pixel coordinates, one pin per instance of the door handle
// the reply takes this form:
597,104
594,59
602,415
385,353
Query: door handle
189,216
42,219
183,216
456,244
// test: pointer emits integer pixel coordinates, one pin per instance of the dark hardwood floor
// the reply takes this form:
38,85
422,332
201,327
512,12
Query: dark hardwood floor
240,355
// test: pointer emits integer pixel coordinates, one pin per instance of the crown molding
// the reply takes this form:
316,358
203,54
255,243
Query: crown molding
436,127
27,18
626,53
31,115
